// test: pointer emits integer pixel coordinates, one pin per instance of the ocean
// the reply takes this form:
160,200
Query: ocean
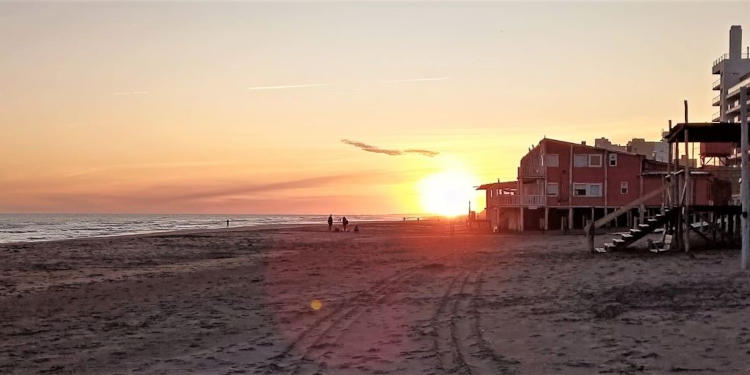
46,227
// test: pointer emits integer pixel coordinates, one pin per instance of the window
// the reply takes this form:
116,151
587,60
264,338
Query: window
612,160
595,190
579,190
624,187
553,189
595,160
587,190
551,160
580,160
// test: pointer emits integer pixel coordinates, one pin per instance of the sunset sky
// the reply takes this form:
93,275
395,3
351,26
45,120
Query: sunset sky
326,107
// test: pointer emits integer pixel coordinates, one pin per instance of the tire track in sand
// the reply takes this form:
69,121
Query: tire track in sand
304,351
460,345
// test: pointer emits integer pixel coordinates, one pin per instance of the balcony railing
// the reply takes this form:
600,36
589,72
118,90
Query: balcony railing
520,200
735,107
716,100
726,56
716,117
735,90
534,200
716,85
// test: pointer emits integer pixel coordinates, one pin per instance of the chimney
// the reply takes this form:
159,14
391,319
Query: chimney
735,42
583,143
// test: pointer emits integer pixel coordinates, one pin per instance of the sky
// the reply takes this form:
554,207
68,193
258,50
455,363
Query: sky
301,108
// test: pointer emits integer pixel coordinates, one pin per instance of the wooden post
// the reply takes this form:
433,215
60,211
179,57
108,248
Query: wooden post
688,190
630,219
521,192
745,185
669,169
677,204
570,218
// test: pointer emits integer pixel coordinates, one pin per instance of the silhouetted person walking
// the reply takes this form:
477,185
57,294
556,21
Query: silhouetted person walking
344,222
227,223
330,222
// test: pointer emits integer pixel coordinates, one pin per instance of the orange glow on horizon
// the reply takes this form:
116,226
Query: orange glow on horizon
131,108
447,193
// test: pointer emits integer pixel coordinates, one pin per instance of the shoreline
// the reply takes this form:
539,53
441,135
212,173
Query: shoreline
193,231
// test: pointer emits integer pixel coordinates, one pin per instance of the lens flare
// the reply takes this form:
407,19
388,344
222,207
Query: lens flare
316,304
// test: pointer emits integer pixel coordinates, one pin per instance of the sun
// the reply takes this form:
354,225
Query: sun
447,193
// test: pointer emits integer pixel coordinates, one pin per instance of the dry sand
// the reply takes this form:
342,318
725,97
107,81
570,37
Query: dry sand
396,298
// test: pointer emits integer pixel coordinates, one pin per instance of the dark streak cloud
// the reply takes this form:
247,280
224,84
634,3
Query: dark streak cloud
422,152
370,148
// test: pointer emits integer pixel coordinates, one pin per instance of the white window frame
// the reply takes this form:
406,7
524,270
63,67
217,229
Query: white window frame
587,188
556,189
612,160
600,160
577,186
549,158
580,161
624,185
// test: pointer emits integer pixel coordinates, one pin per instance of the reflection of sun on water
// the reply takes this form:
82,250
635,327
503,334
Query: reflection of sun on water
446,193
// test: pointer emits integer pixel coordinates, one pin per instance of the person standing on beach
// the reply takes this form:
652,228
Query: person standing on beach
344,222
330,222
227,223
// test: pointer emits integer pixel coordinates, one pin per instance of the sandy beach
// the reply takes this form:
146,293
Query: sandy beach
401,298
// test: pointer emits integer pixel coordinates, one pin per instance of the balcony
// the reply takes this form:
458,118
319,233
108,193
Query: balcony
519,200
723,57
716,85
735,108
716,117
720,59
734,91
716,100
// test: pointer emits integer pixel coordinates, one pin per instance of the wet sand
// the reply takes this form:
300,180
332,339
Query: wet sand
401,298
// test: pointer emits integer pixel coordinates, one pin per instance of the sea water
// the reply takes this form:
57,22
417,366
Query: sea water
46,227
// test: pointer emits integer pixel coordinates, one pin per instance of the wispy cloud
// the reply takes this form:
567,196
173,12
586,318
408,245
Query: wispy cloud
371,148
281,87
128,93
416,79
392,152
422,152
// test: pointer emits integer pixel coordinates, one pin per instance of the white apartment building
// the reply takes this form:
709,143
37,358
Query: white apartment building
652,150
732,113
733,69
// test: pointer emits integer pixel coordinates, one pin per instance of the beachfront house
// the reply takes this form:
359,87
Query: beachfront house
564,185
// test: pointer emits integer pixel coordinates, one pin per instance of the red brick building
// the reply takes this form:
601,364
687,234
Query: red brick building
562,184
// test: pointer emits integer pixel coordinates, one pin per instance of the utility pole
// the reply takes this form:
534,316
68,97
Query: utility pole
687,189
745,185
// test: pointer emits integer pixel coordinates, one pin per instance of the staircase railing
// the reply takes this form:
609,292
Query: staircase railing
593,226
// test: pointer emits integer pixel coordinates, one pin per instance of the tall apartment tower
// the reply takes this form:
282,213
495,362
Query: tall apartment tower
733,69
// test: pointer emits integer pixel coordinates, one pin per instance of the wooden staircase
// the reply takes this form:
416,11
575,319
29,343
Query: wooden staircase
640,232
635,234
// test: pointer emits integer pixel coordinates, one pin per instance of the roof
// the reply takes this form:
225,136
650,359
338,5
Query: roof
705,132
509,185
590,146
